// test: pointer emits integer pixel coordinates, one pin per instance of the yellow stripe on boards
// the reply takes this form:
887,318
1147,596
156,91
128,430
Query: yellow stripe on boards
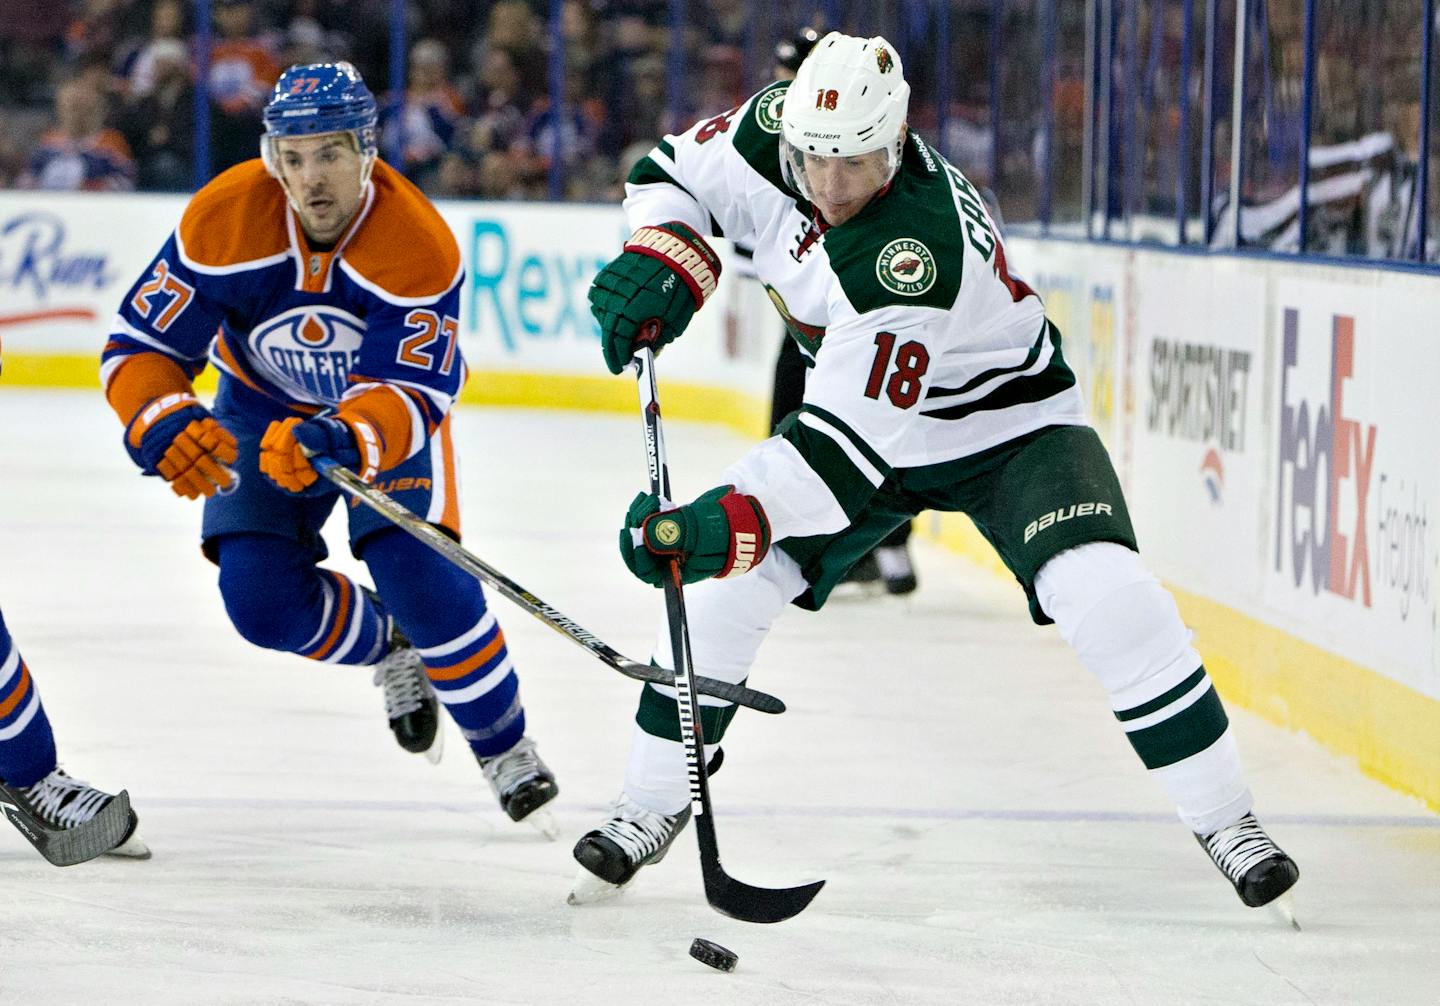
1393,732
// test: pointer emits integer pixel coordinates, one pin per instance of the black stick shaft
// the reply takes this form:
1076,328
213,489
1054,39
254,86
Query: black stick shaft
432,536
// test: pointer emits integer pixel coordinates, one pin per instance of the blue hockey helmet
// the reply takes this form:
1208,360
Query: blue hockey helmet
314,98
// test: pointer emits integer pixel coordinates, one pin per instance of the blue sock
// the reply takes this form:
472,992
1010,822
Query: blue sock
442,611
27,745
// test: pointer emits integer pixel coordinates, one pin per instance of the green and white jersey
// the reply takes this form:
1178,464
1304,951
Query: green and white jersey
926,349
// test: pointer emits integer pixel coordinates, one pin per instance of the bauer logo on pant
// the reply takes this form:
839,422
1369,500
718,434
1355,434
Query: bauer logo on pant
906,267
1064,514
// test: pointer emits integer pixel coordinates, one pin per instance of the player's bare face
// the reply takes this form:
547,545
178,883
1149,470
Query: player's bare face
323,176
842,186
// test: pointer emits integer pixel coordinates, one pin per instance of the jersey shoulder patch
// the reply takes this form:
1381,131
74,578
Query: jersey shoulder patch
757,134
236,219
403,250
907,249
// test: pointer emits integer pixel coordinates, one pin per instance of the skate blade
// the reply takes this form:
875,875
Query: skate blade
544,822
131,848
589,889
1283,909
435,750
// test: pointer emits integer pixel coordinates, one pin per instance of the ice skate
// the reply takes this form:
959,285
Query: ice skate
1259,869
410,702
612,854
896,570
523,785
90,822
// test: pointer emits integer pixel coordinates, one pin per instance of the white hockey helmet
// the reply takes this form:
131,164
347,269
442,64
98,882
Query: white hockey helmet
849,97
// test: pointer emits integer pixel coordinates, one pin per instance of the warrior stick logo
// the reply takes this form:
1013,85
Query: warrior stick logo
906,267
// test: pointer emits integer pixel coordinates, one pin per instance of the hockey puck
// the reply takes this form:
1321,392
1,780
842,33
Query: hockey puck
714,955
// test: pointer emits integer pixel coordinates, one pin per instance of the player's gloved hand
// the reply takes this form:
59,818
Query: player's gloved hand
723,533
285,461
177,438
664,275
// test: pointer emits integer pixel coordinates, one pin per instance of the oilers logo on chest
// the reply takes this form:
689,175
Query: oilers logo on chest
308,351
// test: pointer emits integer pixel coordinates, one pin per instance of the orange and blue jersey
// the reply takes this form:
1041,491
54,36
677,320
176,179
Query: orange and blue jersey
368,327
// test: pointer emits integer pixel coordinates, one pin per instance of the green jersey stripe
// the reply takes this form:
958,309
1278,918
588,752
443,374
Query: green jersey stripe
990,375
1183,735
882,470
1055,379
1161,701
826,456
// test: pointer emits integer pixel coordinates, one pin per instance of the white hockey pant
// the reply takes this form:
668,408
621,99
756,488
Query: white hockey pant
728,620
1126,630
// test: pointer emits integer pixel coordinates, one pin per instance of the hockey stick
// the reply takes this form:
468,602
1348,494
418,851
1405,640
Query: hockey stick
726,895
403,518
69,846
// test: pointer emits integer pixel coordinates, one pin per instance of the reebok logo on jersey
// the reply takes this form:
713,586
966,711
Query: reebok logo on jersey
1064,514
906,267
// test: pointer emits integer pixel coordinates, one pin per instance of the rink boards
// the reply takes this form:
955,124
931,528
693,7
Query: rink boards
1269,419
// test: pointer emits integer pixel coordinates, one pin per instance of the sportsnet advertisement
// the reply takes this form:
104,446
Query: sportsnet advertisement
67,260
1198,438
1351,559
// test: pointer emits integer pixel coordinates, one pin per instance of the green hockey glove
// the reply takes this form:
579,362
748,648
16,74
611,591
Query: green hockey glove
723,533
663,276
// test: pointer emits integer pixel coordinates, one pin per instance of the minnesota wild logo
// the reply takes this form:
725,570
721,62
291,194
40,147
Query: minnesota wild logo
768,109
906,267
883,59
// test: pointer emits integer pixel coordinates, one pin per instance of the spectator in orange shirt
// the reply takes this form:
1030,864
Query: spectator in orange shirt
243,67
80,153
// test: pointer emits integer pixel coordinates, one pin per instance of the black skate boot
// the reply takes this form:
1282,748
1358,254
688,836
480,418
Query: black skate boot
896,569
410,702
523,784
1259,869
612,854
92,822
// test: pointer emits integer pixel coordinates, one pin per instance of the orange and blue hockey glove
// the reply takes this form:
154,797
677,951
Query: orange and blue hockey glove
288,444
177,438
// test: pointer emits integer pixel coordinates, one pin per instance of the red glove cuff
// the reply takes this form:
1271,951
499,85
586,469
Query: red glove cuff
749,533
684,251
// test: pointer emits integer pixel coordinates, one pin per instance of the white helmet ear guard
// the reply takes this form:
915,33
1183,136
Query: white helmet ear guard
849,97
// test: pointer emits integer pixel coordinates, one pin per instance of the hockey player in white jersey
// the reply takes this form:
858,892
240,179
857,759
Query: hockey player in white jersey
938,384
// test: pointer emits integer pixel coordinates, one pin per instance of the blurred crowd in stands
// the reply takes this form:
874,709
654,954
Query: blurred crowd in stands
100,94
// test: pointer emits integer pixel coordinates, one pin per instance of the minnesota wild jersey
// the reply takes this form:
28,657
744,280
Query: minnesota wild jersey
926,349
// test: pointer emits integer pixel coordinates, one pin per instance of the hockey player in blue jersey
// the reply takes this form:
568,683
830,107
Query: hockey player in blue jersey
324,287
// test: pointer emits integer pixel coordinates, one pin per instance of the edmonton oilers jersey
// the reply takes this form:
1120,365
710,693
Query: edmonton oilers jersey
300,328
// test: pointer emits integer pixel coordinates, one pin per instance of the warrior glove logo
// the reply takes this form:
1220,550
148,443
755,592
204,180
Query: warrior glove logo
906,267
667,532
1064,514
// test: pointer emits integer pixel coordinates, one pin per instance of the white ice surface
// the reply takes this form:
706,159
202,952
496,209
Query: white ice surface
987,834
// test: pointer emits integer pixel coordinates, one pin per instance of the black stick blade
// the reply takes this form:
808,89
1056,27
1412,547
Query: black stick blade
739,900
69,846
